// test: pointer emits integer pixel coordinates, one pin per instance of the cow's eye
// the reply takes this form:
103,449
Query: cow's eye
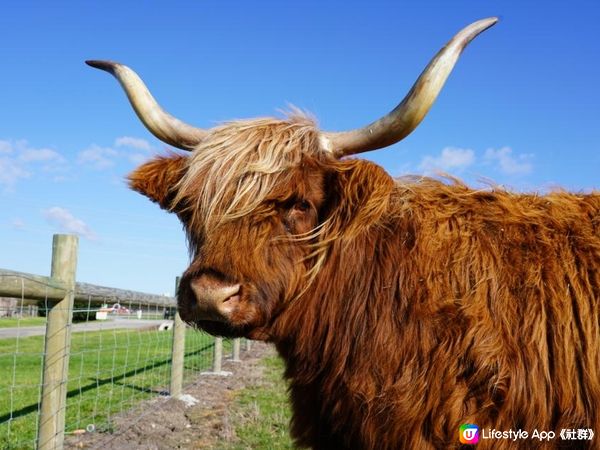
302,205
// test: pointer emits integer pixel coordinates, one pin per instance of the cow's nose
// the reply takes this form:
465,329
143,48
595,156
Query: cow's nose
215,299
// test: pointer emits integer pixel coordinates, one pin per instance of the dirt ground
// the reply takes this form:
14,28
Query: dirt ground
168,423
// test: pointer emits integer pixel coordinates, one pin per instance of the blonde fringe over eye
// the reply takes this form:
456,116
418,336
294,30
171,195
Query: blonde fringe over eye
239,164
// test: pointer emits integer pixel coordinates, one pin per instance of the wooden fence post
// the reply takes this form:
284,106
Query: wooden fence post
218,355
178,350
51,427
235,357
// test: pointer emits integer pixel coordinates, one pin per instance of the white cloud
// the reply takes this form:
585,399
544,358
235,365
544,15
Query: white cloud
17,224
99,158
132,142
138,158
18,160
450,159
509,164
39,155
64,221
11,172
5,147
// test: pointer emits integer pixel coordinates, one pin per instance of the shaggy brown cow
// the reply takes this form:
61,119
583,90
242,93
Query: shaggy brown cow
403,308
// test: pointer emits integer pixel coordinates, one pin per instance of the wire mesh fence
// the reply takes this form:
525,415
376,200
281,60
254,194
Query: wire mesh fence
21,362
78,364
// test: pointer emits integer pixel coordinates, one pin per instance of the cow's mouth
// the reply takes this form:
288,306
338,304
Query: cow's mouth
220,329
227,331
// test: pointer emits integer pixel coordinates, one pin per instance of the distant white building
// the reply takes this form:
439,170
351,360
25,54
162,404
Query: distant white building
14,307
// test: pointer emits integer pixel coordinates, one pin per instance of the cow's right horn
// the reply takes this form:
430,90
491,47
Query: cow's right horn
160,123
405,117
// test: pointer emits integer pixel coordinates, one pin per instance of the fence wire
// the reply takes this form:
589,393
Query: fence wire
21,363
119,354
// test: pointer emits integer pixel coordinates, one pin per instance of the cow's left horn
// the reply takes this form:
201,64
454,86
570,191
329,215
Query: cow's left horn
405,117
160,123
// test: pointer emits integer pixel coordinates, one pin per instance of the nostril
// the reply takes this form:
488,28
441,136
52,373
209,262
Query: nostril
227,293
232,298
214,293
215,298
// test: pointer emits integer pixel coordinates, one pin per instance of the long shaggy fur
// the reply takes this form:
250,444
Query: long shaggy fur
403,308
454,306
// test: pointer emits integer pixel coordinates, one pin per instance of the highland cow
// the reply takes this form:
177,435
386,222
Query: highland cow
403,308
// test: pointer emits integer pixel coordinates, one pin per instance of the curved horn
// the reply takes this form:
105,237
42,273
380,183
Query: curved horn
160,123
405,117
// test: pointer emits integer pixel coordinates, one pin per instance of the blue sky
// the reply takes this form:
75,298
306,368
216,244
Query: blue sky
522,107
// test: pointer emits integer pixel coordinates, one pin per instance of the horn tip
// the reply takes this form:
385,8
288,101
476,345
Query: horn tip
486,23
108,66
467,34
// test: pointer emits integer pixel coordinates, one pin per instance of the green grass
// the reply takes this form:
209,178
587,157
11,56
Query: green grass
109,372
25,322
262,413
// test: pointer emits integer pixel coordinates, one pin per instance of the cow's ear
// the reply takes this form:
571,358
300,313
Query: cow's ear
361,195
158,178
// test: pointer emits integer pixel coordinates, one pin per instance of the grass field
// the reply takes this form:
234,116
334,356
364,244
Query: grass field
109,371
25,322
262,412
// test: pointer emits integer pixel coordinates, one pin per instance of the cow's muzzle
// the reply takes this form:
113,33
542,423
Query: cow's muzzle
216,300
